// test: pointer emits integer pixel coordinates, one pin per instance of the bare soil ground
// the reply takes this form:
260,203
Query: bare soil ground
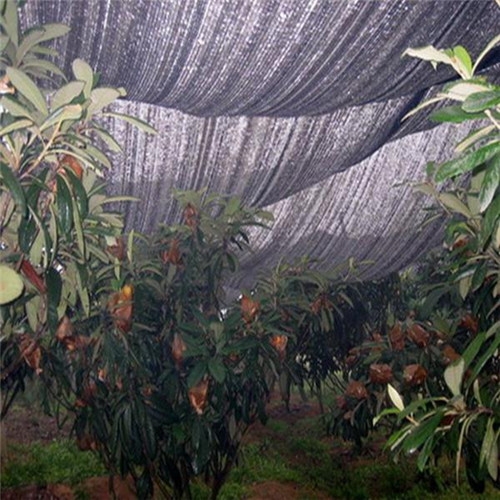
27,425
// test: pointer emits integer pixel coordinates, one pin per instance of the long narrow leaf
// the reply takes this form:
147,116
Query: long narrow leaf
17,125
27,87
140,124
485,51
467,162
490,183
14,187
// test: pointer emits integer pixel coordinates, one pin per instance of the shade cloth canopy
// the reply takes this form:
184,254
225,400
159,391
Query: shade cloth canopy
293,105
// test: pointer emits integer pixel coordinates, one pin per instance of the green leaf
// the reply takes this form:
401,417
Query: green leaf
28,42
136,122
481,101
460,91
69,112
54,289
32,310
38,67
485,357
98,155
217,370
54,30
485,51
79,192
110,141
27,233
462,61
14,187
479,276
422,432
27,87
464,285
100,98
83,72
64,205
67,93
489,448
473,137
423,105
467,162
9,22
490,183
453,376
4,41
493,458
17,125
472,349
490,219
79,231
453,114
452,202
79,154
197,374
15,108
11,285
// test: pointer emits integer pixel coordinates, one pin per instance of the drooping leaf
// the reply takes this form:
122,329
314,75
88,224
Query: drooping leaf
473,137
110,141
136,122
79,192
485,51
64,205
98,155
11,285
54,289
453,376
472,349
489,450
493,457
197,374
490,220
422,432
16,125
14,187
80,239
464,285
483,359
490,183
9,22
4,41
27,87
37,67
15,108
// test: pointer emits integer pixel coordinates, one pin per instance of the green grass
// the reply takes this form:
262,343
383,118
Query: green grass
295,453
57,462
